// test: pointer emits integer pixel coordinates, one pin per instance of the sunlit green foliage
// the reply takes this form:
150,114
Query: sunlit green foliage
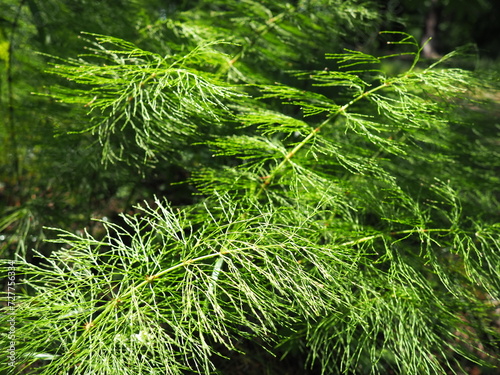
344,213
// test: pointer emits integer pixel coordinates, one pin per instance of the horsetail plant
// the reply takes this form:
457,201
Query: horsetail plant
341,221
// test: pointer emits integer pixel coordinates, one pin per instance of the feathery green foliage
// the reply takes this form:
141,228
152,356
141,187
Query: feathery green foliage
143,104
343,220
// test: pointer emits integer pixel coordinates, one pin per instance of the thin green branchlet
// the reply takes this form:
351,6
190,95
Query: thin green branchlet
306,140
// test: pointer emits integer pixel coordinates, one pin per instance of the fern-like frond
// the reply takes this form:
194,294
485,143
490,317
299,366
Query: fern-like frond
143,101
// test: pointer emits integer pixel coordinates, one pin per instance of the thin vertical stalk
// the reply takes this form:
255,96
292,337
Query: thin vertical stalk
10,92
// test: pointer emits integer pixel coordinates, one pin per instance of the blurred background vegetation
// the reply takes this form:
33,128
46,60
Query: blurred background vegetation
52,176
